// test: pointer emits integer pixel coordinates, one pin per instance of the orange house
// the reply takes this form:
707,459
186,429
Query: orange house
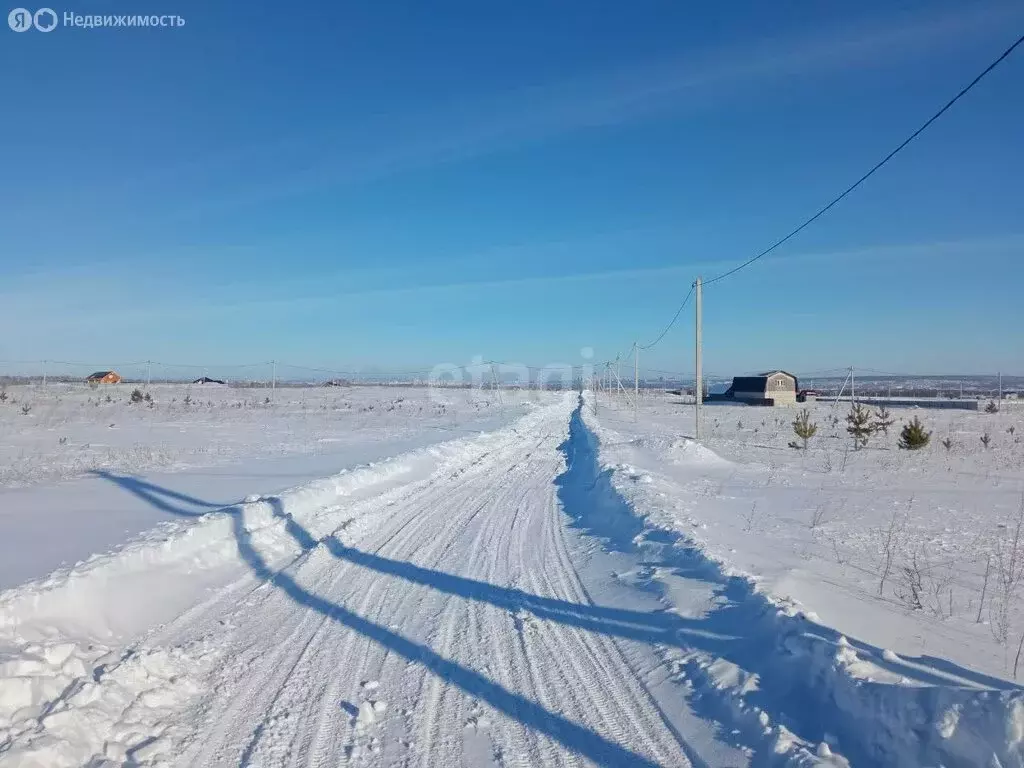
105,377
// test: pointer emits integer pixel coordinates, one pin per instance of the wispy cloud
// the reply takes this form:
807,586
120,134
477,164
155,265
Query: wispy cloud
693,81
383,145
61,298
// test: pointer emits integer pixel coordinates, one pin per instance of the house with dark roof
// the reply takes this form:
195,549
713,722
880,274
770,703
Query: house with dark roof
104,377
769,388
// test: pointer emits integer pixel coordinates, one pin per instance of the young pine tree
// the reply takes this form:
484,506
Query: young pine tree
883,420
804,428
858,424
913,437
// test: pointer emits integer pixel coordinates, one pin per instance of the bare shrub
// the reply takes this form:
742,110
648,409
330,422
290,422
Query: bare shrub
1009,560
986,439
890,541
984,588
947,444
911,586
26,409
835,551
750,518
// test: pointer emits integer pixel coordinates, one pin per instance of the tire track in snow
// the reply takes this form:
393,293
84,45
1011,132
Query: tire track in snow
259,688
452,649
598,656
451,703
506,571
408,529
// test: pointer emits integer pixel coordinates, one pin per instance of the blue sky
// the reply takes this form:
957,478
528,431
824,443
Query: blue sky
397,185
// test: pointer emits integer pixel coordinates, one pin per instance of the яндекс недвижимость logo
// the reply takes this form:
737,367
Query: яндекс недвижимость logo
22,20
46,20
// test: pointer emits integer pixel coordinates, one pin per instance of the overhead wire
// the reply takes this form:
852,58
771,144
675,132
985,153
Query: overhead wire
822,211
672,322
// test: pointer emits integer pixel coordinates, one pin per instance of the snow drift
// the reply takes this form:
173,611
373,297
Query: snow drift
785,678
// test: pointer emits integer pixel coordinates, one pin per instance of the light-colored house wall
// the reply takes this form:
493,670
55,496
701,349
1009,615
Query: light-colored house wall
782,389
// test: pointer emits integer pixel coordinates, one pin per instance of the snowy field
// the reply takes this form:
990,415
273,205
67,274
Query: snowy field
67,451
823,527
65,430
570,587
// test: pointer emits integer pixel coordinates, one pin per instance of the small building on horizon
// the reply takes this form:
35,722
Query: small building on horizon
104,377
769,388
207,380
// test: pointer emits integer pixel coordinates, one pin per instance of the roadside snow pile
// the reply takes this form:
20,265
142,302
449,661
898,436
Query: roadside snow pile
684,451
109,708
78,682
764,662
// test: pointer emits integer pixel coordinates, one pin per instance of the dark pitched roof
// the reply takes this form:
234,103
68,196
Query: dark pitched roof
756,383
100,374
749,383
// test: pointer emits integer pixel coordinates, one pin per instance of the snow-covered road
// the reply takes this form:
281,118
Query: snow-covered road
492,601
437,621
423,637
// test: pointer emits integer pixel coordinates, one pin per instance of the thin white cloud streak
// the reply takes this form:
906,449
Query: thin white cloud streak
56,297
456,133
685,271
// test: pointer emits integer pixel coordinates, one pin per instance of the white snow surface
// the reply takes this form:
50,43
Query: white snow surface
223,445
574,588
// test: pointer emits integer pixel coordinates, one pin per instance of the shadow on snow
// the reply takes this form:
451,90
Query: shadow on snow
734,629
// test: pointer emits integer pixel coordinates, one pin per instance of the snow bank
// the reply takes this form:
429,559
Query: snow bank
801,689
78,683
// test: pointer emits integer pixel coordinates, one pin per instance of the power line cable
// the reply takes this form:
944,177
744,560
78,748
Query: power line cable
876,167
672,323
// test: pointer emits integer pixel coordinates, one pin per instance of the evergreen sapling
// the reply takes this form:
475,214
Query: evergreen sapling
859,426
913,437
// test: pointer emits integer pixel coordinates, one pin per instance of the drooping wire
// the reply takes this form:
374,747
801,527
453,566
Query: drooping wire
672,322
876,167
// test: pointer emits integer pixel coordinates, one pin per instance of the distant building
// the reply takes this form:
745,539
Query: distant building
207,380
104,377
770,388
807,396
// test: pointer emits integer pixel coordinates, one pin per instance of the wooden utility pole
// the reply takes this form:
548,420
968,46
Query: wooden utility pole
698,387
